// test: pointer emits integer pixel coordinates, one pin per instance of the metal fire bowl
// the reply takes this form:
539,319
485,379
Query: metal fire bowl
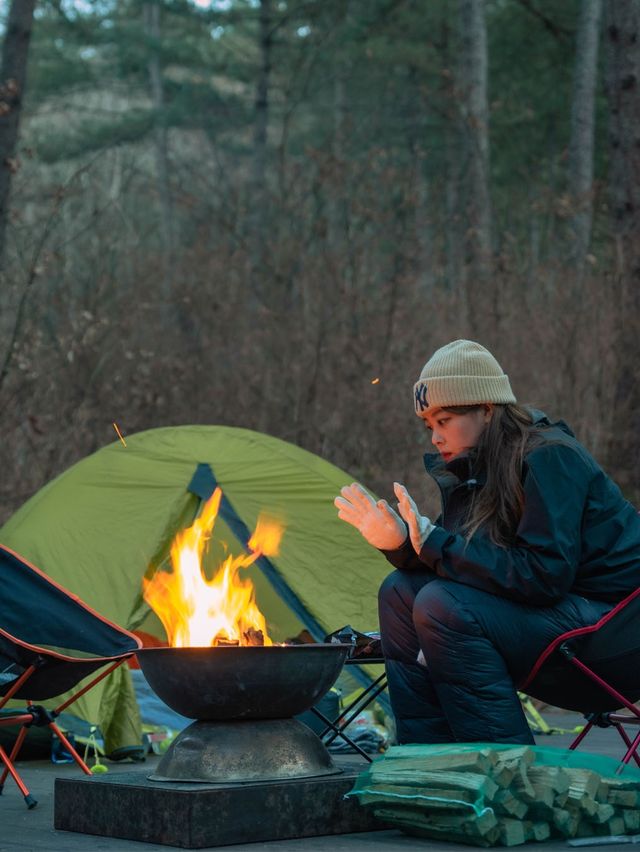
236,752
229,683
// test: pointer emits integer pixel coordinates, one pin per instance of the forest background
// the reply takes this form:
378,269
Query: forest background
269,213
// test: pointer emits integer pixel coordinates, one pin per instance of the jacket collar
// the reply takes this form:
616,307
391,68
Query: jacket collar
459,471
541,420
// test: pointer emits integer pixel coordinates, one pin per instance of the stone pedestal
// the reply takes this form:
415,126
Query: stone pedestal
192,816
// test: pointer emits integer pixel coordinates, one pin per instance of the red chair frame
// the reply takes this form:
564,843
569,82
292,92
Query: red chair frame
596,671
41,673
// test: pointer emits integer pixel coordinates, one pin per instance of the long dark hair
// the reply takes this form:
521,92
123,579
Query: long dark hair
497,506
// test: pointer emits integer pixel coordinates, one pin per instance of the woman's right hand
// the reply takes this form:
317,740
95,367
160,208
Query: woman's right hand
377,522
419,525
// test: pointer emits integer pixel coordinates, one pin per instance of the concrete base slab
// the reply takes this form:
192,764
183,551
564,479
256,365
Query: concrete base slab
192,816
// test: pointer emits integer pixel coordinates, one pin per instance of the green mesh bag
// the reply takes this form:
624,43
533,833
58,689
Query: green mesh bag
489,794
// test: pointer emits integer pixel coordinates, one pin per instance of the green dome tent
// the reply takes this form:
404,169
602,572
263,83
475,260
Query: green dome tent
105,522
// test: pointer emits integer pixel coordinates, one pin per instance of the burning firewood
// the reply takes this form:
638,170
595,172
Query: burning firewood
221,641
253,637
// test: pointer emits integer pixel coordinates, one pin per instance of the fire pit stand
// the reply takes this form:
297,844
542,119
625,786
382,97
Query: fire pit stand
244,700
244,771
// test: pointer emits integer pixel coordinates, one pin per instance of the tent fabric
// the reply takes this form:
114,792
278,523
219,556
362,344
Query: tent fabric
103,524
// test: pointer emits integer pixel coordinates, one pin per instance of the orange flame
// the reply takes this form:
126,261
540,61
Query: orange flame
197,612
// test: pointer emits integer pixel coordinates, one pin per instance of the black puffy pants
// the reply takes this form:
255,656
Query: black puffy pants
477,647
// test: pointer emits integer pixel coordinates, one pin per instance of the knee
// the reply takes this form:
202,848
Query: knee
393,600
398,589
388,590
437,607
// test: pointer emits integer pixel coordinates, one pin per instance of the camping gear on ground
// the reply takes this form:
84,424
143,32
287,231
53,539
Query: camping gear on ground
366,736
488,794
363,645
92,747
243,699
595,670
59,753
49,642
537,722
110,518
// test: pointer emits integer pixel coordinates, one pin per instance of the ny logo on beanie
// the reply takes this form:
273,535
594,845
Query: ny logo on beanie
421,397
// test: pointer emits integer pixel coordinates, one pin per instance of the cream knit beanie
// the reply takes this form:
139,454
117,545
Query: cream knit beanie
461,373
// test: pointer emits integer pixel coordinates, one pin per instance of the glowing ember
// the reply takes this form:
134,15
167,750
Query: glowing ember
119,434
197,612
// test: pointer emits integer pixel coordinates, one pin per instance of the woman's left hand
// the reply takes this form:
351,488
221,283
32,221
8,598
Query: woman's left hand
419,525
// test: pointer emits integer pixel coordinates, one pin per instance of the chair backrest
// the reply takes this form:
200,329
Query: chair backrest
43,624
611,648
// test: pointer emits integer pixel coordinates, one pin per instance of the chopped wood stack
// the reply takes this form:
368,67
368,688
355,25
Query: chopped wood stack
491,797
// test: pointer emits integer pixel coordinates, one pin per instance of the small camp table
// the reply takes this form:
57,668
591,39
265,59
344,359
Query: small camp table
364,698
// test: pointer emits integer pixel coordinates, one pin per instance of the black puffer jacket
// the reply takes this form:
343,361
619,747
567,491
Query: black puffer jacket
577,532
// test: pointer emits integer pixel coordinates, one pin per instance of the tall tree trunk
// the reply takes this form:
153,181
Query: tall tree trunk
262,280
581,142
340,184
622,40
258,202
452,136
423,238
151,20
475,110
13,80
422,220
338,202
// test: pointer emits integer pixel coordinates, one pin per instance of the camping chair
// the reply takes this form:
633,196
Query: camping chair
49,642
366,650
363,698
596,671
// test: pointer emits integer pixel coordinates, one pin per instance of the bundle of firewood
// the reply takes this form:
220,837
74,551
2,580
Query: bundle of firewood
501,796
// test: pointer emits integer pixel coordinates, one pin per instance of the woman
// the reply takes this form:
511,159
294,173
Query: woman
533,539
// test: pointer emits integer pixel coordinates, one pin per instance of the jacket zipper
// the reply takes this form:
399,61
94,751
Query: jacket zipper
469,484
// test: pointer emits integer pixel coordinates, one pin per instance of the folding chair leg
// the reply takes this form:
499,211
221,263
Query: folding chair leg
14,754
356,707
28,798
339,732
631,747
8,761
65,742
583,733
614,720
